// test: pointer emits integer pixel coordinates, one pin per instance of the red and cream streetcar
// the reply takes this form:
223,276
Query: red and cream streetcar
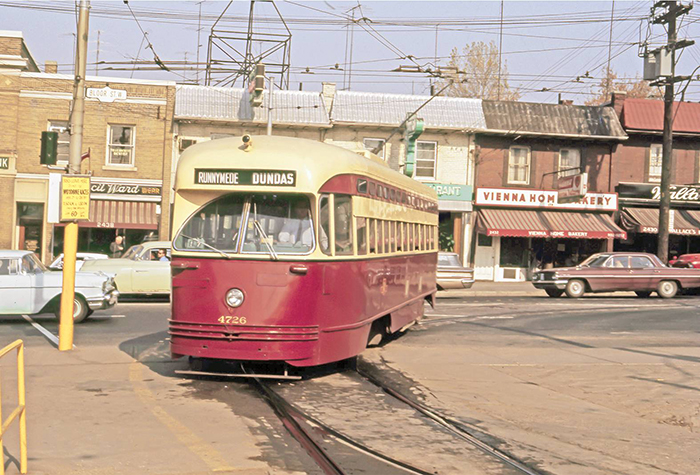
295,251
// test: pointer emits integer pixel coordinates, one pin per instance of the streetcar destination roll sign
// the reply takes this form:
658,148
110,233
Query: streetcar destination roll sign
208,176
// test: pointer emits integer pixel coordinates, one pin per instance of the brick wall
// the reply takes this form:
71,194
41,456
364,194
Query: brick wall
11,46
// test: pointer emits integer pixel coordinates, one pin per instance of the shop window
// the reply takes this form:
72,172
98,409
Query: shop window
324,221
655,161
361,236
514,252
372,144
186,143
484,241
63,152
519,165
426,160
121,145
569,159
343,225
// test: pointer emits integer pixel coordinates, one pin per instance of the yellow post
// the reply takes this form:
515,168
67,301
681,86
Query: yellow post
22,415
70,248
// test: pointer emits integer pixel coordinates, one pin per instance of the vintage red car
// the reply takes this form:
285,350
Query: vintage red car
639,272
686,260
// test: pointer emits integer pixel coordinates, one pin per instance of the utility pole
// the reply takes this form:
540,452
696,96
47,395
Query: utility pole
672,11
70,237
97,53
271,83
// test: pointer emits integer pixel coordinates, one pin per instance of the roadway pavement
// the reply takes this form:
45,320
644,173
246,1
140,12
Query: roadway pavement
598,385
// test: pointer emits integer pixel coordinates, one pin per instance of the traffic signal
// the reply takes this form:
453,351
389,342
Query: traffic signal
49,148
256,85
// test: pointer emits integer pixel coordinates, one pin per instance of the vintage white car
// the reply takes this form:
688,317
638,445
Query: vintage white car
80,259
140,270
28,287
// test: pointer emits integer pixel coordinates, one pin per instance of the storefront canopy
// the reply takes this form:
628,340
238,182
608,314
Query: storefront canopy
556,224
646,220
122,215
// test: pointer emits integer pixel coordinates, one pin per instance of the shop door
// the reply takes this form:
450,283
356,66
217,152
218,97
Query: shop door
484,257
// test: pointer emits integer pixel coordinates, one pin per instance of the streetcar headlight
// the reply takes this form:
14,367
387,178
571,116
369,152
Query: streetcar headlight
234,297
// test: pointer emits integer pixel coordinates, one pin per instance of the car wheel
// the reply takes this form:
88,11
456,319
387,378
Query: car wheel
80,309
554,293
667,289
575,288
642,293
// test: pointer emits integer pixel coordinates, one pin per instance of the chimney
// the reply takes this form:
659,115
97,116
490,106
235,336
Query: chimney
565,102
51,67
618,101
328,95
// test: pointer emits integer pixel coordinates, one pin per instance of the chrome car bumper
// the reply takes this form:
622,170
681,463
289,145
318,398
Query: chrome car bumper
548,284
107,300
455,283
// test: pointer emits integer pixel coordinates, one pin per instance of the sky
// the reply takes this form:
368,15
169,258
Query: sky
549,47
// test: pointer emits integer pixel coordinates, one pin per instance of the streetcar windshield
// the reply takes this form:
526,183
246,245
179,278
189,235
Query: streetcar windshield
273,224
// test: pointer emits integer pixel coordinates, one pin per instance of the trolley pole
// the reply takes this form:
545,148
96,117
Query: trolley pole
70,238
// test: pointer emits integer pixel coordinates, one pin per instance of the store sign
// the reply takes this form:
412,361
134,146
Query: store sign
572,188
106,94
135,190
452,192
541,199
645,191
75,198
207,176
4,163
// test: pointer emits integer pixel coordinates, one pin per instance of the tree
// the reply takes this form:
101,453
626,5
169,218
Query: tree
474,71
635,88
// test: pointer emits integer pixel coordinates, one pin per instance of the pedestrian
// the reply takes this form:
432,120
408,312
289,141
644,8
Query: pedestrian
116,248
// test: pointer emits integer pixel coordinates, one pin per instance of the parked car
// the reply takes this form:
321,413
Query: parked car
139,271
451,274
27,286
81,257
614,271
686,260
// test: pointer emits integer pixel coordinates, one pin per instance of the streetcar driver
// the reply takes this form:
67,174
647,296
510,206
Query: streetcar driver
296,230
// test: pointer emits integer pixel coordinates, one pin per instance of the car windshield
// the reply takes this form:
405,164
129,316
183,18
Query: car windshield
448,260
596,260
32,265
132,252
274,224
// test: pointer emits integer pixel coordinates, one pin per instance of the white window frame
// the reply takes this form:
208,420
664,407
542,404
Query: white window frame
527,165
54,127
653,177
132,163
434,160
369,148
569,166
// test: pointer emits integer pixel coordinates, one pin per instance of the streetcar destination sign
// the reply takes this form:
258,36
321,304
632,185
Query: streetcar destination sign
208,176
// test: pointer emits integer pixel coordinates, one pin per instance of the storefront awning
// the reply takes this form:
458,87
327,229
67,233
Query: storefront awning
646,220
556,224
122,215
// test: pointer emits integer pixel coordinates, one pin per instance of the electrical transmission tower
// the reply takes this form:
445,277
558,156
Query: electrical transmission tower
233,55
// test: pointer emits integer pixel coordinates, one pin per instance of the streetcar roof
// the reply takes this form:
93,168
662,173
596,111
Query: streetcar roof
314,163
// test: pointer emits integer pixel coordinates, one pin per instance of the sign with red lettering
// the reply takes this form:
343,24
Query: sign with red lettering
572,188
543,199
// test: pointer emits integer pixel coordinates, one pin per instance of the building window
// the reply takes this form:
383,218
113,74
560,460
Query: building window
63,154
121,145
655,160
519,165
371,144
569,158
426,159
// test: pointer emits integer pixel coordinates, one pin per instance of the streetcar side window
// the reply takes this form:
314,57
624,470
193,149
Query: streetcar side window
343,225
215,225
372,236
324,222
399,236
361,236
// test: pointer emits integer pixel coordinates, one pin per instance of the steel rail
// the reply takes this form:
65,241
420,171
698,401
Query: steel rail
455,427
288,413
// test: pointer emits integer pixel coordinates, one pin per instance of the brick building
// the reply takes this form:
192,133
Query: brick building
354,120
128,132
525,148
637,174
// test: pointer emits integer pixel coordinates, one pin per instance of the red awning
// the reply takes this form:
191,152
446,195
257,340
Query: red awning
556,224
646,220
121,215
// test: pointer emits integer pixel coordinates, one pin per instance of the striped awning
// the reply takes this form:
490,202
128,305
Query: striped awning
122,215
646,220
556,224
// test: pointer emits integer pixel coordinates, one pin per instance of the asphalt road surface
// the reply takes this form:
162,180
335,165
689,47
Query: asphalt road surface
597,385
